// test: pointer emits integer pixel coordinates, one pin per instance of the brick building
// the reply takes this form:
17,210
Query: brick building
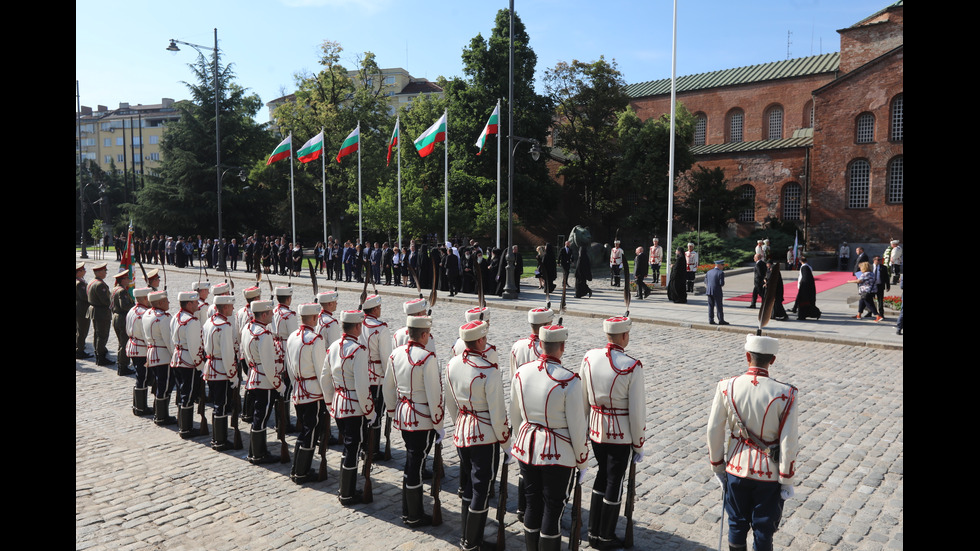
816,140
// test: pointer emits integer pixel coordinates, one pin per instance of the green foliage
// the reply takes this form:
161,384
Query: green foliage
705,192
96,230
712,248
780,238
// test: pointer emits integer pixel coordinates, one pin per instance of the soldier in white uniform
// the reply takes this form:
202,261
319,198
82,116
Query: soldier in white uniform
656,258
523,351
376,338
413,397
265,376
203,289
219,290
187,360
159,350
615,395
476,314
346,368
415,307
284,323
221,366
136,348
547,406
616,262
691,259
305,354
758,416
475,399
326,325
243,317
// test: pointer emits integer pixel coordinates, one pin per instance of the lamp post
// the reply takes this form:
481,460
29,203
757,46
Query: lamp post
217,134
243,177
510,287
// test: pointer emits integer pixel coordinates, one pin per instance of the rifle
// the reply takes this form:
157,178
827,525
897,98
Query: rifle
630,498
774,287
316,286
200,410
281,429
164,265
626,286
236,411
564,294
502,506
324,438
368,495
576,535
437,486
142,269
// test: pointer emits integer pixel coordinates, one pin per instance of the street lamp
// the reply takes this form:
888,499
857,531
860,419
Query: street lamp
217,134
243,177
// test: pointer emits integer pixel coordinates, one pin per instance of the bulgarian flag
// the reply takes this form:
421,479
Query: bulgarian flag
312,149
127,260
351,143
393,142
436,133
283,151
490,128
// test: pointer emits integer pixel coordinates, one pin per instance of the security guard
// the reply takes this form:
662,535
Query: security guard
613,384
98,313
759,417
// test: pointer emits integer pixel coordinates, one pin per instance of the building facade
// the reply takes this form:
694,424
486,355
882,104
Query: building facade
127,138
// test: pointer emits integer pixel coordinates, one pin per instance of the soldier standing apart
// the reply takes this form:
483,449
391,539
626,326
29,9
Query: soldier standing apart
614,390
376,338
656,259
548,406
187,359
760,416
121,304
159,350
691,259
136,349
221,367
346,368
616,262
714,282
264,377
475,398
81,312
305,354
98,312
413,397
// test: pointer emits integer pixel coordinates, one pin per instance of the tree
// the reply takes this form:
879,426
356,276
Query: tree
182,196
588,98
706,192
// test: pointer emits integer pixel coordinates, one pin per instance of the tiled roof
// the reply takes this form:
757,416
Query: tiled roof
802,66
760,145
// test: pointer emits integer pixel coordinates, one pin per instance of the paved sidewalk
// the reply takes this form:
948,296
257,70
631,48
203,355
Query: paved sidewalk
139,486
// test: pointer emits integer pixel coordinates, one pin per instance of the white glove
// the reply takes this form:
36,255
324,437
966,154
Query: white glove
786,491
370,417
440,435
581,476
234,383
721,478
508,456
638,456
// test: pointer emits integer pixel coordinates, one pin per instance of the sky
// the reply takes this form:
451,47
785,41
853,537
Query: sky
120,46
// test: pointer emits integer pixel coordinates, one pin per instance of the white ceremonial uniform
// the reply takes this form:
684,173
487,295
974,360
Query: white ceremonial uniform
376,338
345,368
768,410
264,361
413,389
204,311
220,352
547,407
188,348
616,257
475,399
692,261
490,352
243,317
328,328
284,323
400,338
656,255
305,354
156,329
615,397
136,346
523,351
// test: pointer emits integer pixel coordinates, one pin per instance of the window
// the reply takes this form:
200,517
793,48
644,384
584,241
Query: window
154,156
136,140
154,140
107,159
792,193
773,123
120,158
700,128
106,142
859,184
897,119
119,141
865,128
748,194
808,115
736,119
896,180
137,159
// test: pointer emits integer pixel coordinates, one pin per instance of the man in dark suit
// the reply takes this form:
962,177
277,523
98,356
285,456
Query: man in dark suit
882,279
640,268
387,255
759,278
714,281
565,256
861,257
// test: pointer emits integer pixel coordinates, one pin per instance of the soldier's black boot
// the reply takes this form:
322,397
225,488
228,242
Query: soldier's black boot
123,370
549,543
416,517
607,528
185,422
219,439
531,538
521,501
473,530
161,407
348,486
464,513
139,402
736,547
303,465
595,516
248,403
258,451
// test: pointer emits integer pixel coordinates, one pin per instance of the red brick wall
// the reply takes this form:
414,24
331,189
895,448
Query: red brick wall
875,37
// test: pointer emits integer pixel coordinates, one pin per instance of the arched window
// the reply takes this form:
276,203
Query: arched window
736,126
700,128
792,197
864,131
772,123
808,114
859,184
897,132
896,180
748,194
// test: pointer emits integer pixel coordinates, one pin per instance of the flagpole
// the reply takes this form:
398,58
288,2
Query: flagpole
292,193
446,168
498,172
360,233
323,177
399,160
673,112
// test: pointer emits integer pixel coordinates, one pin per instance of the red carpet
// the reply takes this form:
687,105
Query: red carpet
823,282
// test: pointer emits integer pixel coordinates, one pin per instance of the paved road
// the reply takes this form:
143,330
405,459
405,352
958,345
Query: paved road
139,486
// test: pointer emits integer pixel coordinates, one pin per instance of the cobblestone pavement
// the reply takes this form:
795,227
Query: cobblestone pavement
139,486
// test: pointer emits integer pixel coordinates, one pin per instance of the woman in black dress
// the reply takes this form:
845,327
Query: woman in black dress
677,286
